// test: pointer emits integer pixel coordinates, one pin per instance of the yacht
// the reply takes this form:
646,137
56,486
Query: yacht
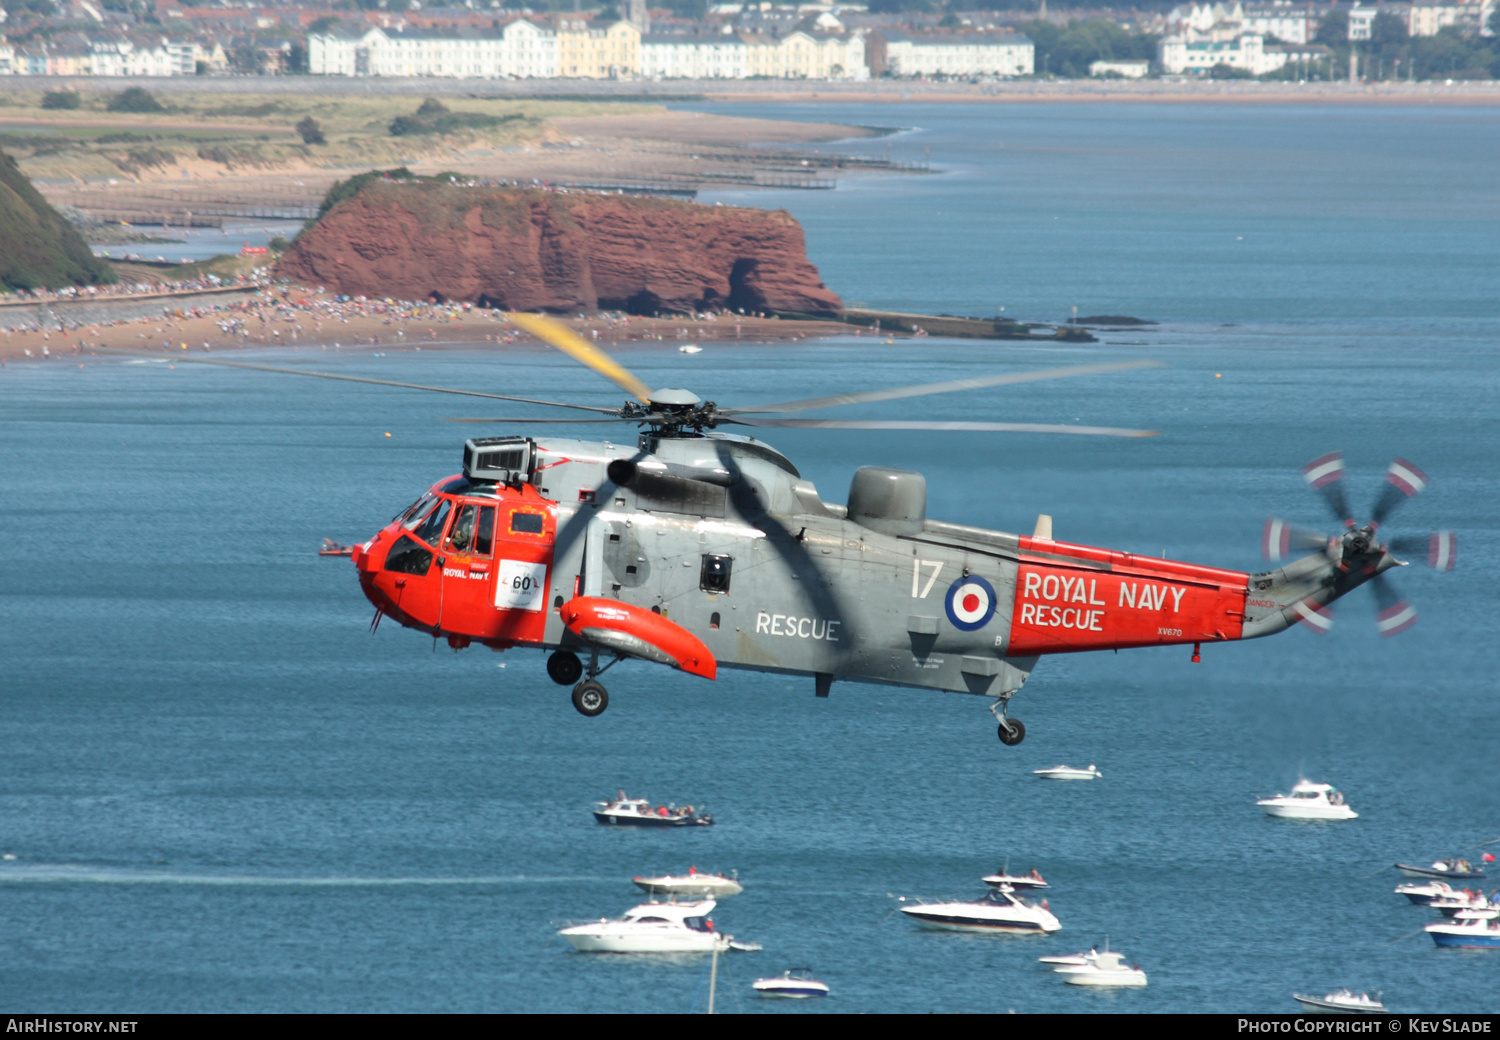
638,812
1345,1001
795,983
1309,801
1068,773
1103,969
652,928
691,884
1020,882
998,910
1448,869
1474,933
1425,892
1059,961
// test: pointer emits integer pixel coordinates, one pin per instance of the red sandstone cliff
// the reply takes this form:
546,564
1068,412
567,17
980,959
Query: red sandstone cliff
539,250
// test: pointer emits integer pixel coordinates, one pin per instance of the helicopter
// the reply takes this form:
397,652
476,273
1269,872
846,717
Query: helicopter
697,548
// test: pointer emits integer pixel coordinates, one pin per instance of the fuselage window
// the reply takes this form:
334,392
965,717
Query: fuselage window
431,527
484,534
715,576
527,523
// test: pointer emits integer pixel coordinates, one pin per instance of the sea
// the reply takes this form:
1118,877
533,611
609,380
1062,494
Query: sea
221,792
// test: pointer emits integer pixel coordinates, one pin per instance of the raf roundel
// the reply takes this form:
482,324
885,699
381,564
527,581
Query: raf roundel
970,603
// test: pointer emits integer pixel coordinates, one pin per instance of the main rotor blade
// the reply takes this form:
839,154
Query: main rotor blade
556,334
535,420
392,382
924,389
1396,615
1402,481
1326,474
956,427
1281,537
1441,548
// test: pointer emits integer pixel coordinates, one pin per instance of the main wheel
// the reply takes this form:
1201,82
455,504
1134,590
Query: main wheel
564,668
590,698
1010,735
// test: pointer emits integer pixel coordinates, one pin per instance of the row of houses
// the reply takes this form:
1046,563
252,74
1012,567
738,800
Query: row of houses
1299,22
573,48
78,54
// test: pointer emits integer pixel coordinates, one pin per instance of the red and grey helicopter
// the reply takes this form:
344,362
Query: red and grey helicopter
696,548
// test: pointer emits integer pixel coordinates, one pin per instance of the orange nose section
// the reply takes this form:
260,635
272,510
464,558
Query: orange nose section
638,632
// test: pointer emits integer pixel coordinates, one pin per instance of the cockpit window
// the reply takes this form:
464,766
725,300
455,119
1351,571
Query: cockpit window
461,538
431,526
414,510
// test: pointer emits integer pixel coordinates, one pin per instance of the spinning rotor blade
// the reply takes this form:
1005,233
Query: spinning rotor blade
965,427
558,335
1326,474
1311,616
1402,481
536,420
1441,548
924,389
392,382
1396,615
1281,537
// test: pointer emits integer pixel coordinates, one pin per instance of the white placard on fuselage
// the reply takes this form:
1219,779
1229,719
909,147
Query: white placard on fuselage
521,585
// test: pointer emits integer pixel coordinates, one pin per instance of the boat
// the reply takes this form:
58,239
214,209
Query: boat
1059,961
332,548
1020,882
1068,773
691,884
1309,801
639,812
1423,893
1345,1001
998,910
1472,934
1474,904
1106,968
652,928
797,983
690,348
1448,869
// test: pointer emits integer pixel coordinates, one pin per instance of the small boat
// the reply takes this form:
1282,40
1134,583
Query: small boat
1345,1001
690,348
1309,801
1020,882
1449,869
1103,969
797,983
652,928
691,884
1463,901
1068,773
1423,893
1471,934
638,812
998,910
332,548
1059,961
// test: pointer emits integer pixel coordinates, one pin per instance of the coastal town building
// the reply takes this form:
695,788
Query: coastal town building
974,54
605,52
521,50
1289,23
719,56
1123,69
1248,53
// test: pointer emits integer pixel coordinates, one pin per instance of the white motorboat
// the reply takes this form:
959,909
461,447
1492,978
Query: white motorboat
1345,1001
1068,773
1425,892
1475,933
797,983
999,910
638,812
1019,882
691,884
690,348
1464,902
1059,961
1103,969
652,928
1309,801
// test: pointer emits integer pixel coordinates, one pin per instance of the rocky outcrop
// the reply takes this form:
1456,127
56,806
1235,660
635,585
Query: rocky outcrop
521,249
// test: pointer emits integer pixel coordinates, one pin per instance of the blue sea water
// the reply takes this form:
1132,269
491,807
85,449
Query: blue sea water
223,794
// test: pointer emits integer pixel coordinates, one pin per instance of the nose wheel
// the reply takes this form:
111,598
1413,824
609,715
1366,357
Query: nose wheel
590,698
1012,731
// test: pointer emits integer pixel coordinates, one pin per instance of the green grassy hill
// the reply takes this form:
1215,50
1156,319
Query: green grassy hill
38,248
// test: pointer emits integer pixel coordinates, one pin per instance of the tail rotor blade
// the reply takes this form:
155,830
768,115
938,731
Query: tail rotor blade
1396,614
1441,548
1326,474
1312,616
1281,538
1402,481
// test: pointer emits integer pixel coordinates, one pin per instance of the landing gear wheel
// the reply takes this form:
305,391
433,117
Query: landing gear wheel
1012,731
590,698
564,668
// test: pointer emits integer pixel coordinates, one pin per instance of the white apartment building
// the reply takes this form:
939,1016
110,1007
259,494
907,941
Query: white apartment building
1123,69
1247,52
522,50
724,56
1291,23
976,55
1430,16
